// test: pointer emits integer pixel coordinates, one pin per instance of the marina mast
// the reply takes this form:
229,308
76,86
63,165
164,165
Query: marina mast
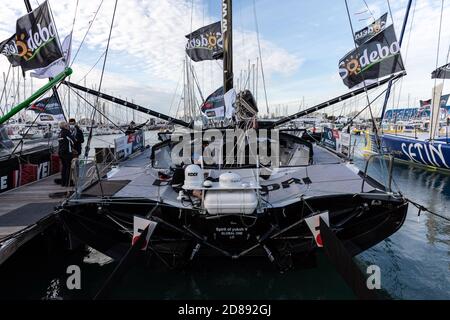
227,34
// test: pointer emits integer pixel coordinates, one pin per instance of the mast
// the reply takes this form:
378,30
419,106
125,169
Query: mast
227,34
402,33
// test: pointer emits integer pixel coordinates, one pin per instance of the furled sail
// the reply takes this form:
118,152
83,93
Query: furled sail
205,43
435,110
378,57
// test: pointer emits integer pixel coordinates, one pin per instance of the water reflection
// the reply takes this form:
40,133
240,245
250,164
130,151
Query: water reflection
415,262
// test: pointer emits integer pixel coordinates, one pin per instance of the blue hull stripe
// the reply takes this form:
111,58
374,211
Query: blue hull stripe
435,154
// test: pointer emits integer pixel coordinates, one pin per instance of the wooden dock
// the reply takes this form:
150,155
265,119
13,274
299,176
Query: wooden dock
25,212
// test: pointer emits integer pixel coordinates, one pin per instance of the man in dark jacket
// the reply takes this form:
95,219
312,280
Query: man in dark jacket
65,151
77,135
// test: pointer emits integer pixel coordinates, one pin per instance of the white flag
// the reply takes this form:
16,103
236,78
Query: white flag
139,225
230,101
57,66
314,224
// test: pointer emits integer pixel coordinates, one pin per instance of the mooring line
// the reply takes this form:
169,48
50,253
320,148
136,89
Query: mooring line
422,208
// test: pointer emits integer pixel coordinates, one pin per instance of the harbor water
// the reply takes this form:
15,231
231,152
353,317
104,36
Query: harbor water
414,262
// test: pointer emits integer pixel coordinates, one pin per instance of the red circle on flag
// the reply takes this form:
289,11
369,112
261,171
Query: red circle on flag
319,240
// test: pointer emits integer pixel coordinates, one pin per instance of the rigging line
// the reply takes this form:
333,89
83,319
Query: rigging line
390,11
90,104
74,17
407,50
87,31
194,75
437,53
446,60
364,80
376,98
439,34
260,55
4,89
192,18
92,68
87,148
174,95
58,39
370,11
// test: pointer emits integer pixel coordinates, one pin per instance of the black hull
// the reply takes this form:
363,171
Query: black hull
281,234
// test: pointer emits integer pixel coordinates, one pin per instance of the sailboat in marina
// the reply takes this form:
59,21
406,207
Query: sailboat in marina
234,187
412,144
426,149
33,153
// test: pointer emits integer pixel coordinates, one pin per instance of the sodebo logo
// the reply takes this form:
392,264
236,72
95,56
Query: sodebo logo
371,30
28,44
353,65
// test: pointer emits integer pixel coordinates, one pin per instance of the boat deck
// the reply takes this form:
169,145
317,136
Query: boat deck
328,174
25,212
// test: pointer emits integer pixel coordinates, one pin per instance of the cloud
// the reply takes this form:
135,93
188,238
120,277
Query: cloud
147,43
147,48
152,33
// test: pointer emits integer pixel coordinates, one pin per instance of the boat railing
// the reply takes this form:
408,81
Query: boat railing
86,172
390,169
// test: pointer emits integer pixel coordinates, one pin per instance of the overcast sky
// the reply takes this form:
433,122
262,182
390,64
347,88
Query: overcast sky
302,41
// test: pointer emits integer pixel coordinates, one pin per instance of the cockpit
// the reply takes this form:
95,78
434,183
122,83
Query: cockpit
256,149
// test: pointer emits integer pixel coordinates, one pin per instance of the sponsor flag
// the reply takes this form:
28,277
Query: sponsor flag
36,39
371,30
58,66
214,105
441,72
205,43
378,57
49,106
330,138
9,49
139,225
444,100
425,104
314,226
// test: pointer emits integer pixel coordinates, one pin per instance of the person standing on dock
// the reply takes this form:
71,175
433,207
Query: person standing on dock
65,151
77,135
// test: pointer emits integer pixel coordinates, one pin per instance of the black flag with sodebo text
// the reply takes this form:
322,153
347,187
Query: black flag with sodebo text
374,28
36,39
205,43
378,57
